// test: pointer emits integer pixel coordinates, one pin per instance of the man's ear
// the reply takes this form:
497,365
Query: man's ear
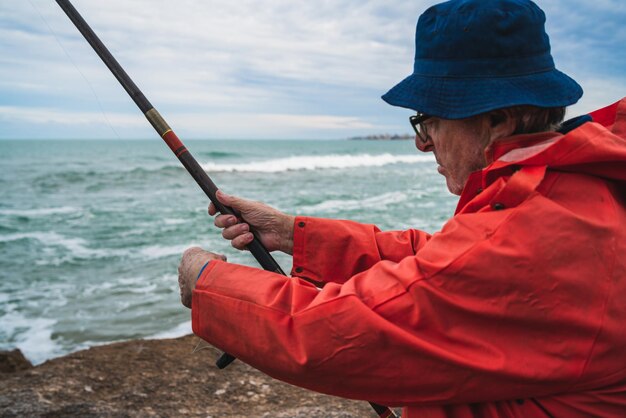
501,124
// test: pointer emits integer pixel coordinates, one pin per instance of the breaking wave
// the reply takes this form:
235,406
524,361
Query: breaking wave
32,335
75,246
317,162
158,251
78,248
175,332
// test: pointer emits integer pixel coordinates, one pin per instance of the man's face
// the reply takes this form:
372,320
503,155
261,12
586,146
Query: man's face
459,147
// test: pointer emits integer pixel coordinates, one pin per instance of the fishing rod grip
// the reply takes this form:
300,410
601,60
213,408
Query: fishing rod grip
256,248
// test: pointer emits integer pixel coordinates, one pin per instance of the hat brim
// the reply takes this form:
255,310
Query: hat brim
458,98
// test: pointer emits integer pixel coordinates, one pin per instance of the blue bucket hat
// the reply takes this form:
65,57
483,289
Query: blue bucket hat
473,56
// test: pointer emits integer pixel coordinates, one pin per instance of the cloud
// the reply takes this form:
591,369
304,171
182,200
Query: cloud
194,125
277,63
43,116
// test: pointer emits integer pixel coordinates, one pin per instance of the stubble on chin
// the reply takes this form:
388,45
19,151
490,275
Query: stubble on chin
454,188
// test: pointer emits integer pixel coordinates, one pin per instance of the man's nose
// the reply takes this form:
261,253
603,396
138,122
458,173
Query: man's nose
427,146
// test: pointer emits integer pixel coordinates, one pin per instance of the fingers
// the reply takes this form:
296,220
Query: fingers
233,227
224,221
239,236
227,200
240,242
234,231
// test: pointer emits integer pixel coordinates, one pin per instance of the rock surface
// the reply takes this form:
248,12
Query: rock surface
158,378
13,361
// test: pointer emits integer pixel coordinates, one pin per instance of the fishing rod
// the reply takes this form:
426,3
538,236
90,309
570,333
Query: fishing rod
260,253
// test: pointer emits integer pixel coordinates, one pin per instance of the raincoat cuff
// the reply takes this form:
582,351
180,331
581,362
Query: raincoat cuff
205,271
202,270
201,283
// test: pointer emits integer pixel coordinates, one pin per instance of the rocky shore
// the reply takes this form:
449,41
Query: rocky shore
155,378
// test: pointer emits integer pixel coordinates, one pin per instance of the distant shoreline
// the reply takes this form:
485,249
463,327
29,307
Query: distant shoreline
382,137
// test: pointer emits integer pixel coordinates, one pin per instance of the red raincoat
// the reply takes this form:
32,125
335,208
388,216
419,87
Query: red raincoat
516,308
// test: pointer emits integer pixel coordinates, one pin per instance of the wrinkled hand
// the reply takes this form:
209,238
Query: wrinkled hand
274,228
190,265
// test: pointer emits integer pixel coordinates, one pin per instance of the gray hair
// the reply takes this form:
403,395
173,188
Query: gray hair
533,119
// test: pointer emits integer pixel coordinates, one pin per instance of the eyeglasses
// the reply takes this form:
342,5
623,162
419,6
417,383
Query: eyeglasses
417,122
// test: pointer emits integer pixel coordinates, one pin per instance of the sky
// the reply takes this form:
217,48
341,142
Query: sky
252,69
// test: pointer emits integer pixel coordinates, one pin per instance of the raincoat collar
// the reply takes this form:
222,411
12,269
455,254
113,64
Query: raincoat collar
519,142
597,148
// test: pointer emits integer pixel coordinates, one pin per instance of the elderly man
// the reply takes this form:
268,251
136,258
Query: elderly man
517,307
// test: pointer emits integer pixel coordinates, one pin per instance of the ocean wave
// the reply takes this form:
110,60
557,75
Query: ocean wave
178,331
159,251
175,221
218,154
51,238
5,228
65,177
337,205
41,212
31,335
77,247
317,162
141,170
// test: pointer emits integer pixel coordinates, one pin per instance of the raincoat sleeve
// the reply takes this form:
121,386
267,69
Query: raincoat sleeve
319,241
469,318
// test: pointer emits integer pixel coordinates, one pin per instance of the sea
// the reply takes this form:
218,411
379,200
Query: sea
92,231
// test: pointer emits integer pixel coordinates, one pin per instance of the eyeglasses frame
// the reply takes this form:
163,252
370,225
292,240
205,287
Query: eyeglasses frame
417,122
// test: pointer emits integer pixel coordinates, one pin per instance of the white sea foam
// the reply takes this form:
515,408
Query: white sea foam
175,221
75,246
316,162
31,213
336,205
33,336
129,281
177,331
50,238
143,290
159,251
99,287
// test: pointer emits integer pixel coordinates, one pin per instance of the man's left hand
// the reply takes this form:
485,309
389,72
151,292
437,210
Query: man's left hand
190,265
